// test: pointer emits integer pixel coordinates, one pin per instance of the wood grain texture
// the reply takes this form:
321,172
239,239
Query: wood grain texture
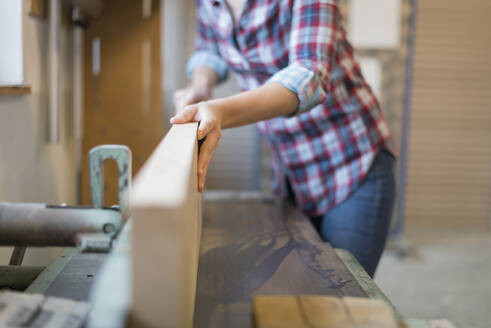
308,311
166,215
261,247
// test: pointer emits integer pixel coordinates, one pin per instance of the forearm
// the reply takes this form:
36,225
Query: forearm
266,102
270,100
204,78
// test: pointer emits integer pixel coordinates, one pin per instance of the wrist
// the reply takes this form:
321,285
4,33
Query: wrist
218,107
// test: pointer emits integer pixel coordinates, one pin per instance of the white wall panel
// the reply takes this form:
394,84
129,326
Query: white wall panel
11,65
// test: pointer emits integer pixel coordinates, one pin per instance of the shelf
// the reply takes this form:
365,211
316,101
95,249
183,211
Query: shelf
8,90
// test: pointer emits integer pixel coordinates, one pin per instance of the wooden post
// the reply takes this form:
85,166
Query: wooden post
166,214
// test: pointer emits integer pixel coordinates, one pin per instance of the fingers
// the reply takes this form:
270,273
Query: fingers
209,127
205,155
185,116
205,126
189,96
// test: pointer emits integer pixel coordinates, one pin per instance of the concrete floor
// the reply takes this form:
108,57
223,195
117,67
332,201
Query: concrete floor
444,277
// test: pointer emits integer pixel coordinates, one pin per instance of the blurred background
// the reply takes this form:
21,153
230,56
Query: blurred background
119,63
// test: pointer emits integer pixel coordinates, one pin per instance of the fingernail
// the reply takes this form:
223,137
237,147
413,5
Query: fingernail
202,186
200,171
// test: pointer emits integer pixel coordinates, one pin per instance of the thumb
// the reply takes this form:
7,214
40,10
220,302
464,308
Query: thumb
185,116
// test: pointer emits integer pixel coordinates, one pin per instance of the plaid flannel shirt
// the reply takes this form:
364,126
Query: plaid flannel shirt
326,148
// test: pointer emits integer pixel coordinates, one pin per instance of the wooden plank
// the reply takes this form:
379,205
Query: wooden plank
166,214
369,313
277,312
306,311
9,90
261,247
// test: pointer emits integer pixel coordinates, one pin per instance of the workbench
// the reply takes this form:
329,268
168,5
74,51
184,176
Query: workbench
250,245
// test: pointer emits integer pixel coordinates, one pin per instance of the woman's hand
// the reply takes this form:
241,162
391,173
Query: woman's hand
203,80
268,101
189,96
209,116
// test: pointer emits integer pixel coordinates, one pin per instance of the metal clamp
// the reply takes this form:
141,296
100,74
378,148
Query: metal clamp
91,229
97,156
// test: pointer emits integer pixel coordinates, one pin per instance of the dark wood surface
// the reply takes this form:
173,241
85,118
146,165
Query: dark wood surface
261,247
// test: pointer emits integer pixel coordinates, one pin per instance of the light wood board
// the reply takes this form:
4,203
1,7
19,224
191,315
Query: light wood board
308,311
166,215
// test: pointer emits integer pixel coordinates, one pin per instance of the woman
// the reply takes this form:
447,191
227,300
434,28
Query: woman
304,89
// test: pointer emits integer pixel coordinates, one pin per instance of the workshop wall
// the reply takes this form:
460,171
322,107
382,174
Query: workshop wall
122,87
449,178
31,170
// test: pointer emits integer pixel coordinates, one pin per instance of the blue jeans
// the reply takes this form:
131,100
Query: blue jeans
361,223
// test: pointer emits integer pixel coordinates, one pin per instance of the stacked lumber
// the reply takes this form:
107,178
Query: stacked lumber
166,214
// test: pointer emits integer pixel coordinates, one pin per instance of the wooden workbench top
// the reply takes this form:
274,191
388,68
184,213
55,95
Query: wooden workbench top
261,247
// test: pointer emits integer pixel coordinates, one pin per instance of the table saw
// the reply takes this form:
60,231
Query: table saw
183,260
251,244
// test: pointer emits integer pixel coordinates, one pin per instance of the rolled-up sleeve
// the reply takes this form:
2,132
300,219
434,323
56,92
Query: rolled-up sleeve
206,47
311,48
